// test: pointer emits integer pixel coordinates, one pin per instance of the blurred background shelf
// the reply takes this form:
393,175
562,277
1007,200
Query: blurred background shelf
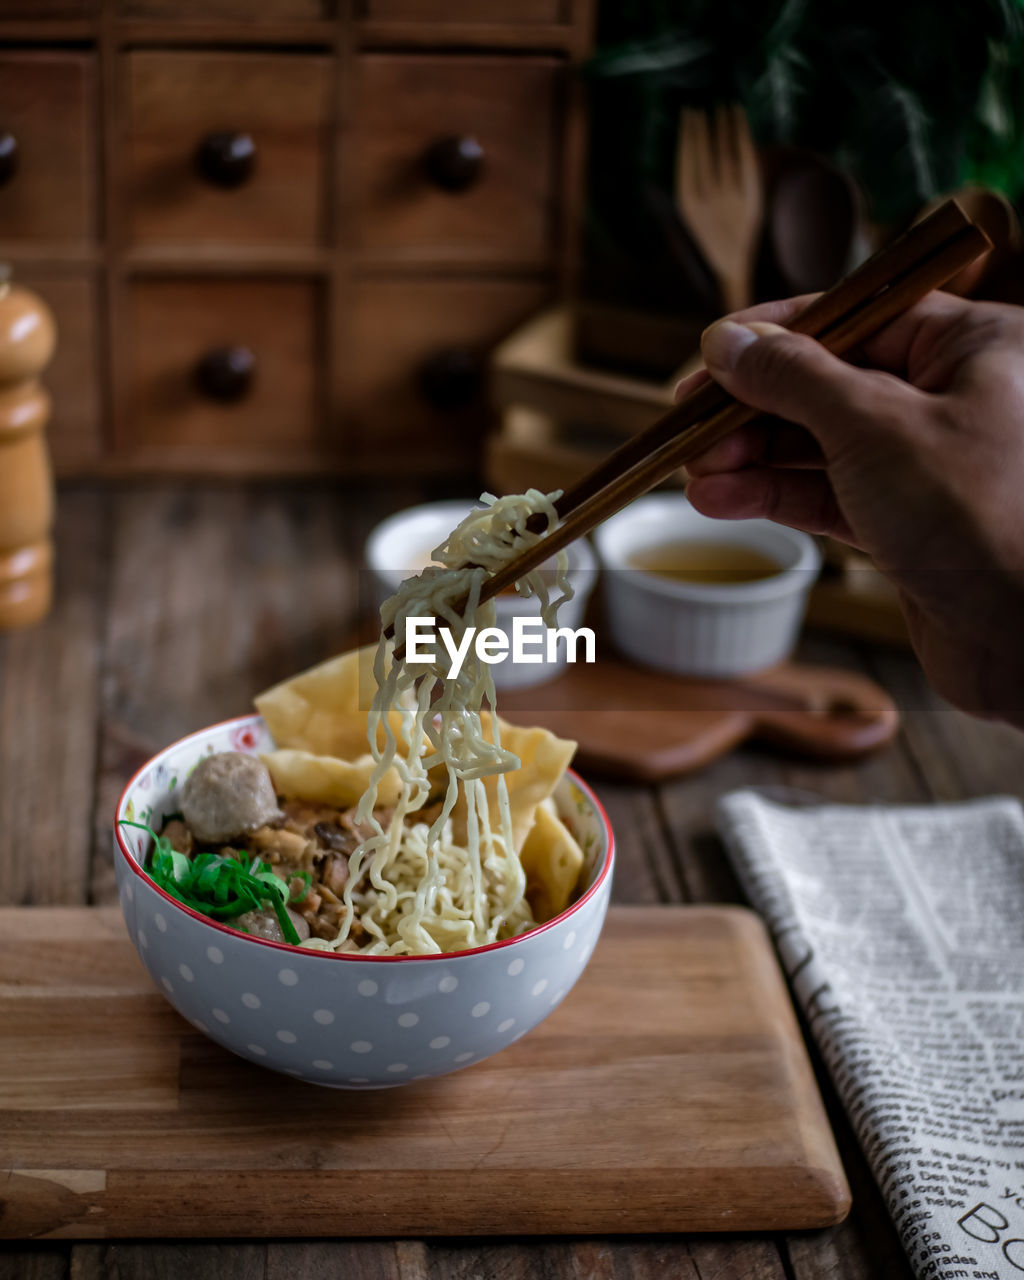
559,416
532,450
537,366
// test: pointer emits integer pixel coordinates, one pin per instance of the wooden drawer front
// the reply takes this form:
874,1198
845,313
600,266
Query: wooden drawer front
400,331
46,103
468,11
34,10
74,433
178,100
236,10
407,107
175,324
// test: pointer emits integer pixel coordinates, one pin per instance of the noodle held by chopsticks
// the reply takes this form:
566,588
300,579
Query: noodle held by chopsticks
411,886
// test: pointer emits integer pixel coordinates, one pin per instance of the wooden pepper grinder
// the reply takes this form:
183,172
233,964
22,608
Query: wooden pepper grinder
27,338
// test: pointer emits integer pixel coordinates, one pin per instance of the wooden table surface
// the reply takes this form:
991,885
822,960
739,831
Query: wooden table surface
175,604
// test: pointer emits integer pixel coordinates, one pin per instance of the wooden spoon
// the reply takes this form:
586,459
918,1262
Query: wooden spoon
997,217
815,222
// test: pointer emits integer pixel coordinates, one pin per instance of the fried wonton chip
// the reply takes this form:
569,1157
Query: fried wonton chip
552,861
543,759
300,775
323,710
318,720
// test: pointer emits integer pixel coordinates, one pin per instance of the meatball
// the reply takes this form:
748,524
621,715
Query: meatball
265,924
226,795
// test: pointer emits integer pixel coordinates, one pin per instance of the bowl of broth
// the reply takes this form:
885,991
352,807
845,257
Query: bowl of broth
699,597
402,545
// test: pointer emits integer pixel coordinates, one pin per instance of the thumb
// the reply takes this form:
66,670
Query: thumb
791,376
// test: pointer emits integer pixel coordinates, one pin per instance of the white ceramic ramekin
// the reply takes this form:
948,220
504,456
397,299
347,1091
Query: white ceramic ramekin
701,629
402,543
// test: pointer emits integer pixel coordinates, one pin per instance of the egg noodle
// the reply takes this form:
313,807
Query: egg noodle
412,885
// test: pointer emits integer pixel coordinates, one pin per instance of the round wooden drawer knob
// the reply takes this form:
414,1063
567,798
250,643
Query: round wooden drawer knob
452,379
226,374
8,156
226,159
455,163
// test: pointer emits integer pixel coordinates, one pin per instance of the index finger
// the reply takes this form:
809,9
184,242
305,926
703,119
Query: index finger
782,311
889,348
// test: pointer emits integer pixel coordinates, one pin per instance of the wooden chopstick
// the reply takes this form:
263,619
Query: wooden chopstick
885,286
820,315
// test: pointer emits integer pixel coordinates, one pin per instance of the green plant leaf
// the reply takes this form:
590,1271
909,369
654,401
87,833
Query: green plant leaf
223,886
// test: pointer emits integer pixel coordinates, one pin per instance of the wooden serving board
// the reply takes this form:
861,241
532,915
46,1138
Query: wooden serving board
670,1092
642,725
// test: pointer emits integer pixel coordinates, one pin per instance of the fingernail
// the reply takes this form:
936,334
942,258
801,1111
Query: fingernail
682,386
723,344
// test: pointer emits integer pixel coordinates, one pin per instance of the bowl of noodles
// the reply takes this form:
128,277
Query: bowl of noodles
374,879
343,1018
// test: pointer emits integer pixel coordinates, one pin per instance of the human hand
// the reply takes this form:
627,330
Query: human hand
915,454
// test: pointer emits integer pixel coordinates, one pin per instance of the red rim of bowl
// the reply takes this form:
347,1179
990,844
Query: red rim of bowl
133,865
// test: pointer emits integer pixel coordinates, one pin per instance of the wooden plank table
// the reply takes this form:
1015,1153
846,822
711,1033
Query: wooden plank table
175,604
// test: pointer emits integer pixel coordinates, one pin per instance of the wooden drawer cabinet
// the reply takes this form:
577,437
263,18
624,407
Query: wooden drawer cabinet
46,176
415,373
455,157
226,147
280,236
195,400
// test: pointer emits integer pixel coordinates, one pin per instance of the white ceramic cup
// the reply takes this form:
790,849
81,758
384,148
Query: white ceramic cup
702,629
400,546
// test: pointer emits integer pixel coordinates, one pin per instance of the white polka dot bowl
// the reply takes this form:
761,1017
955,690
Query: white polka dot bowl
348,1021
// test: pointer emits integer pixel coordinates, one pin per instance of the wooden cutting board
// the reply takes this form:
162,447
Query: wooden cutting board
645,726
670,1092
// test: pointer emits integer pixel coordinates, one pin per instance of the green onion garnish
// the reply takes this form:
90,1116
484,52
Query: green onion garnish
223,887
